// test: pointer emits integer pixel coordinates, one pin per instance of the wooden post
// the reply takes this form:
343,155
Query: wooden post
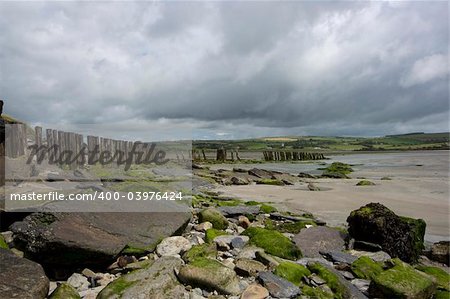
38,136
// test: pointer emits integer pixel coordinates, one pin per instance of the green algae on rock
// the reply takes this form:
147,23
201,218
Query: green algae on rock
214,216
211,275
366,268
273,242
212,233
292,272
64,291
402,281
200,251
441,276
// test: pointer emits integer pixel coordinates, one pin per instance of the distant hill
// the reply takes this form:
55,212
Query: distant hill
410,141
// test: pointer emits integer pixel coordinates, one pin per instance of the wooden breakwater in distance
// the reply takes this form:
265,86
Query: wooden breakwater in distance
72,149
291,156
221,155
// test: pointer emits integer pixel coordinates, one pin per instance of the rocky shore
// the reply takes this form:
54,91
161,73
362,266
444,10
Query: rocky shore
224,248
219,247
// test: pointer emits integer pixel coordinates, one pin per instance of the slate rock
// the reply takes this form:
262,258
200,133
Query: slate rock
278,287
235,211
247,267
339,257
69,241
311,241
21,278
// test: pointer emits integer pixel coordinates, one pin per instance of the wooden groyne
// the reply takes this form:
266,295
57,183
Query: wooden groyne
291,156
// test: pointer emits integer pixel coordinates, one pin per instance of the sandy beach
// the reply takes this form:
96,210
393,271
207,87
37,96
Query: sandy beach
419,188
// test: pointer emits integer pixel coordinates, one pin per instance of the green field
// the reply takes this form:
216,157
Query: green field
413,141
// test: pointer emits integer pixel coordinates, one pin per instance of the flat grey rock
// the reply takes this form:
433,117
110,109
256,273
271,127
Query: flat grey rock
65,241
21,278
277,286
235,211
311,241
339,257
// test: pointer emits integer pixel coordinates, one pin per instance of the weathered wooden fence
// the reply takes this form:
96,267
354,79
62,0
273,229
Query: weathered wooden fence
291,156
221,155
72,149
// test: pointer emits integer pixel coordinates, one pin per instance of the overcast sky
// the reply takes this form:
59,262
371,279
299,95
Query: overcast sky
228,70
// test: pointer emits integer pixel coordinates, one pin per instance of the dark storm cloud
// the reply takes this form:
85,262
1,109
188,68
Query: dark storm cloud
230,69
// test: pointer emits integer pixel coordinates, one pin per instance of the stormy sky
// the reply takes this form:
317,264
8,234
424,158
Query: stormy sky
227,69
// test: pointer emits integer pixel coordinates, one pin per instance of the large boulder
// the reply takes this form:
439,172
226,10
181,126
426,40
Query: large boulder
400,237
68,241
402,281
21,278
314,240
156,281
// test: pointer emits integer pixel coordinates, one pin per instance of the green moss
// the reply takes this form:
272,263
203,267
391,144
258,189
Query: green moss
442,294
292,272
332,279
366,268
131,249
365,183
273,242
418,227
64,291
385,178
252,203
206,263
402,281
3,243
215,217
200,251
270,182
442,277
267,209
316,293
116,288
212,233
338,167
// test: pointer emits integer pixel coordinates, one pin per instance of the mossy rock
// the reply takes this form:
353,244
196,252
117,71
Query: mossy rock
273,242
365,183
200,251
292,272
3,243
442,277
332,280
64,291
158,280
377,224
212,233
385,178
267,209
441,294
210,275
366,268
337,170
316,293
274,182
402,281
252,203
215,217
295,227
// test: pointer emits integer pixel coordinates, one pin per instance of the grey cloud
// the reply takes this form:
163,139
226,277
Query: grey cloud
259,68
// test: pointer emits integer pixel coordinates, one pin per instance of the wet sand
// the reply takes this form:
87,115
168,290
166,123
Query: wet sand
419,188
